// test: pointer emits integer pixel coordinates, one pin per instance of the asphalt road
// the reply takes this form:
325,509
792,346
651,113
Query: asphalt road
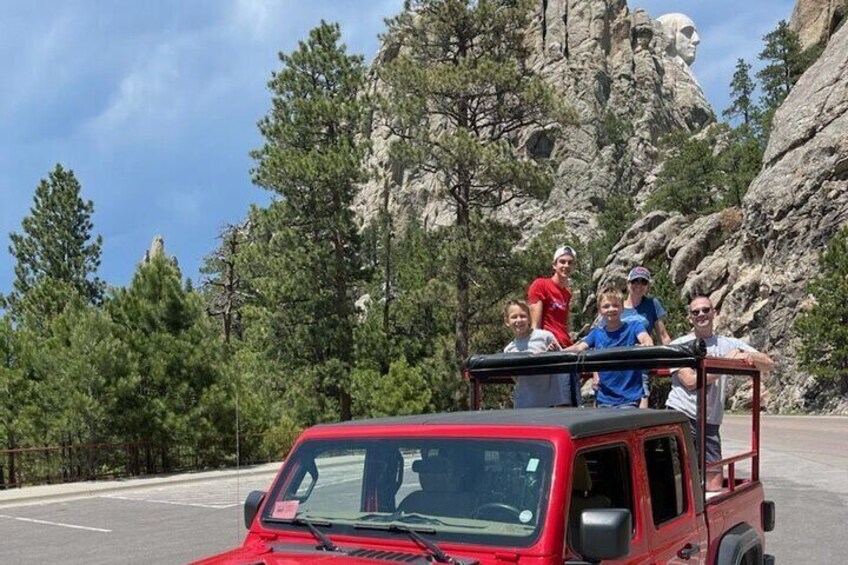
804,470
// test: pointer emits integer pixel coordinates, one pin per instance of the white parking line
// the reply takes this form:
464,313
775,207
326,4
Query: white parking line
72,526
172,502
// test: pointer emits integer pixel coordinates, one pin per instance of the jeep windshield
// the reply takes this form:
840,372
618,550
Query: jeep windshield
492,492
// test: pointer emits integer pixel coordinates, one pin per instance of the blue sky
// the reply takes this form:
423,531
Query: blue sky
154,104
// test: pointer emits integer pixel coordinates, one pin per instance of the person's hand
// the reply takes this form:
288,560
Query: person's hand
742,356
596,381
553,346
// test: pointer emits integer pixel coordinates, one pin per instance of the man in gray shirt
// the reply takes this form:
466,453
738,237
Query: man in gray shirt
683,396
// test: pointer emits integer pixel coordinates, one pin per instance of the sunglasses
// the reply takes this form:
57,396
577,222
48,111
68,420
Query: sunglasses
639,281
705,310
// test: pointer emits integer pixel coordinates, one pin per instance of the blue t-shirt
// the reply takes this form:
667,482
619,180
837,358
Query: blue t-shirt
617,387
647,313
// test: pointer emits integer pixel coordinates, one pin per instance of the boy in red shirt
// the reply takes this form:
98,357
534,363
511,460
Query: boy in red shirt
550,297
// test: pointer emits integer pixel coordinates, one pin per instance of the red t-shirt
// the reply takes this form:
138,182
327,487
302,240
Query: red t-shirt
556,305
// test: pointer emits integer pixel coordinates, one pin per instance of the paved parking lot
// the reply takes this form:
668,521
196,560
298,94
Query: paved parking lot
181,519
166,523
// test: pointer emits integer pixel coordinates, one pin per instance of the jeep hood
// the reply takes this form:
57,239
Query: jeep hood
285,554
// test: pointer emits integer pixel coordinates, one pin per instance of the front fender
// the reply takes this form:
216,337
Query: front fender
737,542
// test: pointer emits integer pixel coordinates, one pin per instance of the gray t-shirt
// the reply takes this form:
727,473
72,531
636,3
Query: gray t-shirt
684,400
538,391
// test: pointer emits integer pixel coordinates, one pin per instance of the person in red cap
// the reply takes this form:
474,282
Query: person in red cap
550,297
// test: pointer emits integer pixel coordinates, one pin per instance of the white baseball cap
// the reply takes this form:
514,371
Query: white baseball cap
564,250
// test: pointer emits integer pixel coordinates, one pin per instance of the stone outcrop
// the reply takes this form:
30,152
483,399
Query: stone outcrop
613,67
755,263
816,20
157,249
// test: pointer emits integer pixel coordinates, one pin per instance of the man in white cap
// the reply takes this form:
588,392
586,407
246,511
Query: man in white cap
550,297
550,305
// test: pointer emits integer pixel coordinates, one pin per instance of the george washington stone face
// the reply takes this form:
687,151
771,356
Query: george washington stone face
681,35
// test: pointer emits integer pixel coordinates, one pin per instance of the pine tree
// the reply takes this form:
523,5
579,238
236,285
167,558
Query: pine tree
690,177
313,158
742,89
458,92
175,358
823,328
784,65
740,162
82,363
16,394
224,287
56,243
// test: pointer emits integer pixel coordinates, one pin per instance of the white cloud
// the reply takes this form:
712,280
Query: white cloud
147,96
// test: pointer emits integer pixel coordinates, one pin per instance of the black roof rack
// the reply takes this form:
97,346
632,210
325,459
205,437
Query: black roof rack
501,367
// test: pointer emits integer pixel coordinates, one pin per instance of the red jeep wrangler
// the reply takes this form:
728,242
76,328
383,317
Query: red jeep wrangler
537,486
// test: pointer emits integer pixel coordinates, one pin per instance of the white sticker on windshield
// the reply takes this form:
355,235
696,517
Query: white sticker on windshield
525,516
532,465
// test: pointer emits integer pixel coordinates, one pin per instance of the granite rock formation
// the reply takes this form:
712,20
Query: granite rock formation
615,69
816,20
755,262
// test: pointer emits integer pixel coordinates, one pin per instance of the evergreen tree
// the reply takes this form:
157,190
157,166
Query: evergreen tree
459,90
823,328
618,215
784,64
742,89
312,158
56,242
690,177
421,297
174,357
401,391
16,394
224,287
83,362
740,162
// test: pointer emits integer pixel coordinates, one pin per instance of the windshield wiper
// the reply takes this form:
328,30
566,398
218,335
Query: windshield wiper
439,556
410,518
326,543
436,552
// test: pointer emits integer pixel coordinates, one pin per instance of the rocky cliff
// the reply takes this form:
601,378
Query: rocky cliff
755,262
816,20
613,67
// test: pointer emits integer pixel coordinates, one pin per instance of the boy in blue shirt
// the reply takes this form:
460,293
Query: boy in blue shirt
616,388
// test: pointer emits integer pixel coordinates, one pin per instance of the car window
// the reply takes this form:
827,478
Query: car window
663,460
600,478
493,491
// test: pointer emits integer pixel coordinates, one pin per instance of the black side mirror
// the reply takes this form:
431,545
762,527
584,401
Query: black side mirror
605,533
251,506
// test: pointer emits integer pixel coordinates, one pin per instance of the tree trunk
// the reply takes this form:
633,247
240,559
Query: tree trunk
463,276
13,471
342,308
387,250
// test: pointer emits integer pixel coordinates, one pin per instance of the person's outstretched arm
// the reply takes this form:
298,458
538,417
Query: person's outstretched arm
662,332
536,315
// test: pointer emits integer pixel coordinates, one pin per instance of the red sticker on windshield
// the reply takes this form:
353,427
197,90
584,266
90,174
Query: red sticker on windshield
285,509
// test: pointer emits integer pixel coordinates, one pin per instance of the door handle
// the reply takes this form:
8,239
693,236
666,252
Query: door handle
688,550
